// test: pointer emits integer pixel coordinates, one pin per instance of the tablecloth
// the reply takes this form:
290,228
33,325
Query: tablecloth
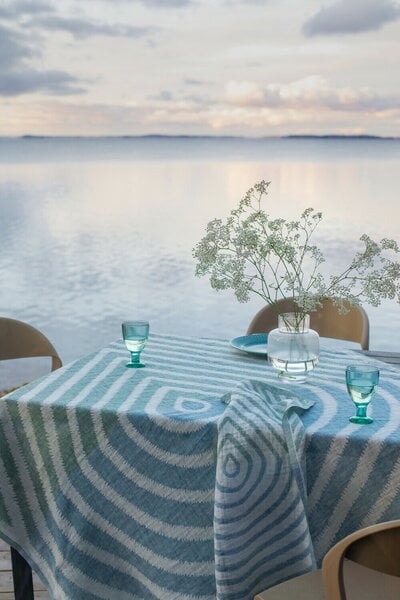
123,484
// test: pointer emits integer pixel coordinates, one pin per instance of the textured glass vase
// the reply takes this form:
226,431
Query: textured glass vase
293,348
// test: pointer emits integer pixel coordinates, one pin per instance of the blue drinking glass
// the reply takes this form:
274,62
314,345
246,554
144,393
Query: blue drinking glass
135,334
361,384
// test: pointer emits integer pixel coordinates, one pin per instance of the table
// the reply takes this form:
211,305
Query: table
170,482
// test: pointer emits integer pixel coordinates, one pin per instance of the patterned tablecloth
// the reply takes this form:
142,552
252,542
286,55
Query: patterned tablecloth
198,477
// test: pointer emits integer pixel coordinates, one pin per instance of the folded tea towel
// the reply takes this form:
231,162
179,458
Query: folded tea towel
260,517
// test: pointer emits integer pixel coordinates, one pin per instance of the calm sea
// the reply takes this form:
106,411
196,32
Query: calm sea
95,231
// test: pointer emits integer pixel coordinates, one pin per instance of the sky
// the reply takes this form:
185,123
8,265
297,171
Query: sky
199,67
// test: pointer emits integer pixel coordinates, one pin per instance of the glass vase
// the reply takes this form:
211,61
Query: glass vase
293,348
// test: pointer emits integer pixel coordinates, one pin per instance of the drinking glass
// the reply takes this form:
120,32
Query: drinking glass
135,334
361,384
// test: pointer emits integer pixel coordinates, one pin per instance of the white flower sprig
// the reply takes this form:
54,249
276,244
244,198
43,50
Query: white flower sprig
274,258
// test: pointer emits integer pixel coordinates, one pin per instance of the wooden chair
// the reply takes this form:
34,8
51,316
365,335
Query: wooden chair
352,326
20,340
363,566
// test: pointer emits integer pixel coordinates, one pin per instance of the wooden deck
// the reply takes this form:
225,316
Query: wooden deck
6,580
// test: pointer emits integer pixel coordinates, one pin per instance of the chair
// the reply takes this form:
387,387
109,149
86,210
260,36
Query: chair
371,571
352,326
20,340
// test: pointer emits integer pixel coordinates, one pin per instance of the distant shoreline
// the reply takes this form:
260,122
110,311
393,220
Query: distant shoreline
201,137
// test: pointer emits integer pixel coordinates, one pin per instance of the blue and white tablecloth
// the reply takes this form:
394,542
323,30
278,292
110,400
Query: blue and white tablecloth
198,477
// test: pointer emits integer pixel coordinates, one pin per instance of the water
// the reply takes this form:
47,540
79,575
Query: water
293,353
361,391
293,370
361,383
98,231
135,344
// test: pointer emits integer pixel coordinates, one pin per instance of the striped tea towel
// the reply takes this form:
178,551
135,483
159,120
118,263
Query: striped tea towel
260,517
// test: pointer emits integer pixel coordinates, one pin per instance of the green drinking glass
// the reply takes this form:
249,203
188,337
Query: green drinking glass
361,384
135,334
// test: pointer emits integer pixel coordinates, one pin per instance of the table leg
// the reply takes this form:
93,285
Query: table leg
22,576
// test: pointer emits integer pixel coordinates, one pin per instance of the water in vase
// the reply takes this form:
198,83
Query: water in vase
293,348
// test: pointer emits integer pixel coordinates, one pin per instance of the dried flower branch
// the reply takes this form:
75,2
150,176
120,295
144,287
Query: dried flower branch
274,258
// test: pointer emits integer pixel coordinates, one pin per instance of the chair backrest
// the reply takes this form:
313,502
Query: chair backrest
352,326
20,340
376,547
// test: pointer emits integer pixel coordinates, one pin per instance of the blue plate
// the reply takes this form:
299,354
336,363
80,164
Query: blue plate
256,343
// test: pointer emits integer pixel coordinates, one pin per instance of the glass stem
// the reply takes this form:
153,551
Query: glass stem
135,356
361,411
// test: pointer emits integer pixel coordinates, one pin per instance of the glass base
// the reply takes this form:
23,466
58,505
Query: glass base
361,420
137,365
289,378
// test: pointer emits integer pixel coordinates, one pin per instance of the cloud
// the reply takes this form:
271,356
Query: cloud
23,81
246,93
233,2
18,45
177,100
41,15
305,94
160,3
24,7
58,117
83,28
163,96
195,82
17,77
166,3
13,48
352,16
